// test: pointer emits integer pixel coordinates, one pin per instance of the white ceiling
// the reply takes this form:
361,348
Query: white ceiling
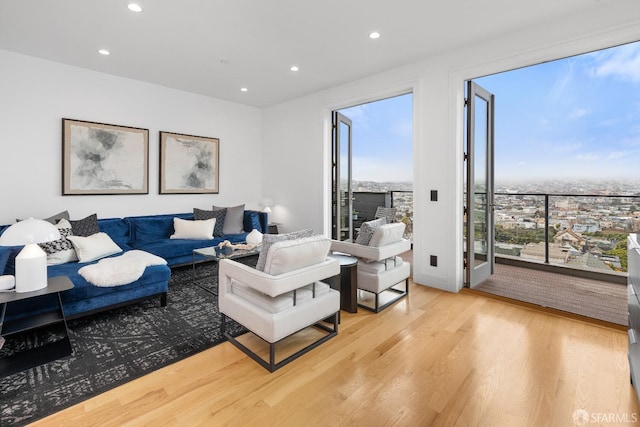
180,43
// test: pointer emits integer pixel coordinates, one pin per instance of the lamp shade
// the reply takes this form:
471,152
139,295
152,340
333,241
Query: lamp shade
266,203
29,231
31,262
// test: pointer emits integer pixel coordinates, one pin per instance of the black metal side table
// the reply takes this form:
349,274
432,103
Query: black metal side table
346,282
30,358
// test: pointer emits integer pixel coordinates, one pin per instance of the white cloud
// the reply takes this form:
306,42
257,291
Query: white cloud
616,155
358,113
578,112
622,62
588,157
381,170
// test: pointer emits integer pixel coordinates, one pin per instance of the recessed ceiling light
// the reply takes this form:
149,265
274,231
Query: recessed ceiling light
294,68
104,52
134,7
243,89
374,35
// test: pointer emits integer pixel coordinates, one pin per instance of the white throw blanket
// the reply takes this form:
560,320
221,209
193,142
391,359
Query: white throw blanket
120,270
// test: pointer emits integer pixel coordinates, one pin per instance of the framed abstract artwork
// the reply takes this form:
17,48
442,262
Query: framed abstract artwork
188,164
99,158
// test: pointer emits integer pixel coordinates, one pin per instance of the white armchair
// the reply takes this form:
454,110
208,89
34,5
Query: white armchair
380,268
285,298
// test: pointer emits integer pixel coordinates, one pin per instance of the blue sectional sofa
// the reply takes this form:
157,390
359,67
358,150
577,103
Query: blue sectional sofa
148,233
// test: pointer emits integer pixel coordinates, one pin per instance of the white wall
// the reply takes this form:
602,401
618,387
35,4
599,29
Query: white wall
36,94
297,133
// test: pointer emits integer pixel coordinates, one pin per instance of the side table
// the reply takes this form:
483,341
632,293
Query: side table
30,358
346,282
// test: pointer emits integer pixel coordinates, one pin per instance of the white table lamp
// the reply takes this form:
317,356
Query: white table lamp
31,262
266,203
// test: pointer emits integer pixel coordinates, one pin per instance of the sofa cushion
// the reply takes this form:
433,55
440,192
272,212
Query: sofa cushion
252,221
387,234
377,267
367,229
10,252
219,215
281,302
5,253
289,255
270,239
94,247
86,226
233,220
152,228
193,230
61,250
118,229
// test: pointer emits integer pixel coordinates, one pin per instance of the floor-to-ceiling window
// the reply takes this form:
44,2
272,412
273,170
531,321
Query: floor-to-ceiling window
381,159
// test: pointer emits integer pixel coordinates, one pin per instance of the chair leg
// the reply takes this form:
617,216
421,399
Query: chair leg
272,365
377,308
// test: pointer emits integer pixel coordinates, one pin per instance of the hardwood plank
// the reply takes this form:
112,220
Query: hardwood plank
434,358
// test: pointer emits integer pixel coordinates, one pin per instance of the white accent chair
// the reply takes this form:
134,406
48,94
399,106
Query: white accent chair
287,297
380,268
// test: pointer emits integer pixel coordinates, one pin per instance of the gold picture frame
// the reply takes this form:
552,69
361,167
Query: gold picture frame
100,158
189,164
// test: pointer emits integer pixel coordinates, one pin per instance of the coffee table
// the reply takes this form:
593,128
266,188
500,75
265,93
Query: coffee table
216,254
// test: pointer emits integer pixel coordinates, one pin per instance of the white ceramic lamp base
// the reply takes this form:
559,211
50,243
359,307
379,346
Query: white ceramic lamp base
31,269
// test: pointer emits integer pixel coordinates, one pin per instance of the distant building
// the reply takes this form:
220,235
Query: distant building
557,253
569,237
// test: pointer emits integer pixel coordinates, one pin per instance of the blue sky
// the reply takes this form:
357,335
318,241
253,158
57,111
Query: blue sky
382,140
575,118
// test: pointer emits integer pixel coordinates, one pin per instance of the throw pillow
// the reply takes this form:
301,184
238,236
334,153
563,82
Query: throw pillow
254,238
96,246
219,215
60,251
233,221
387,234
285,256
53,219
367,229
270,239
193,230
86,226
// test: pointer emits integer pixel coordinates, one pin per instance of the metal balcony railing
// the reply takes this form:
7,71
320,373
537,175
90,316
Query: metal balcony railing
598,223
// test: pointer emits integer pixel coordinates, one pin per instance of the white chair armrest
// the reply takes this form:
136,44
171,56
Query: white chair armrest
278,284
371,252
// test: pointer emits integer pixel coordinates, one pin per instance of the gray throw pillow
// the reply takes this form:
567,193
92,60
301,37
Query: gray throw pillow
270,239
53,219
219,215
233,220
85,227
367,229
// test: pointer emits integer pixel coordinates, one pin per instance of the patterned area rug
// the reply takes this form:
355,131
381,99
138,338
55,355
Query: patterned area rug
117,346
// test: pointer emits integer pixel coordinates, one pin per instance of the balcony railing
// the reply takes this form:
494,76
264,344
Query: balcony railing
584,231
366,202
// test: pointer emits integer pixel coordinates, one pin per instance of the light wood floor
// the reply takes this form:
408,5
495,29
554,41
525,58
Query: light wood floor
435,358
